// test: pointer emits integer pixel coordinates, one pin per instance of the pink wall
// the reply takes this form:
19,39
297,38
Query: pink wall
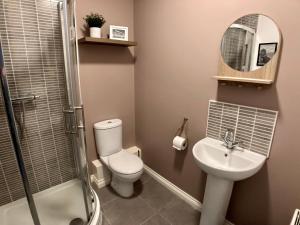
178,54
107,73
177,57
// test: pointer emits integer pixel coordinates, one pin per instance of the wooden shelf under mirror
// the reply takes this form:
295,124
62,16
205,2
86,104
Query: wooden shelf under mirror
245,80
105,41
264,75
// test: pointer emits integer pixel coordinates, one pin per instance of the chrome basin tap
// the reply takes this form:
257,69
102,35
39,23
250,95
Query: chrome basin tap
229,141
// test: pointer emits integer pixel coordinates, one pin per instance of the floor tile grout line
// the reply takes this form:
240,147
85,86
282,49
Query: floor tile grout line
166,219
110,201
138,196
156,214
107,220
142,199
159,212
146,181
149,218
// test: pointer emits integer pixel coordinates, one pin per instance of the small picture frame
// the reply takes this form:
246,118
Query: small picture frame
265,53
118,33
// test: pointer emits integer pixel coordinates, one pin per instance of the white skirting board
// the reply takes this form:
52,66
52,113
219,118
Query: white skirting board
177,191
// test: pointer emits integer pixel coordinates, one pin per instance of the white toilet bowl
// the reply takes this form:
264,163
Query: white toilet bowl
125,167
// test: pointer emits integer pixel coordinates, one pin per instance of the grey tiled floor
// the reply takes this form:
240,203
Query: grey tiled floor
152,204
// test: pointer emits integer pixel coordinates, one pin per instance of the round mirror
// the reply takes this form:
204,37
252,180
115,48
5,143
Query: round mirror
250,42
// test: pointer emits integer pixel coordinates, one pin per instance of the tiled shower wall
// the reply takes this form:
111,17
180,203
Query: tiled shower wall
32,46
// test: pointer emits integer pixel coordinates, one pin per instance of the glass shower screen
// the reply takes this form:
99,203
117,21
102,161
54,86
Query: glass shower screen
43,130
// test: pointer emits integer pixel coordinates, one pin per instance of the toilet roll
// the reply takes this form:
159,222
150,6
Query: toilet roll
179,143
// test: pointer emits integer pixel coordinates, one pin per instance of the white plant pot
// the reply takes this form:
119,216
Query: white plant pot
95,32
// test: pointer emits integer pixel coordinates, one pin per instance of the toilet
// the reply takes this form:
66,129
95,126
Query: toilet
125,167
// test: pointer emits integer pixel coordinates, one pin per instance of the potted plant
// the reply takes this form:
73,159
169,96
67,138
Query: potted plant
95,21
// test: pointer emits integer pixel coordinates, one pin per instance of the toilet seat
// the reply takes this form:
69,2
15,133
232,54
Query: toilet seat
125,163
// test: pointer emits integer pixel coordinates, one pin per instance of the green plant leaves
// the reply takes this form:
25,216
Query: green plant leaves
94,20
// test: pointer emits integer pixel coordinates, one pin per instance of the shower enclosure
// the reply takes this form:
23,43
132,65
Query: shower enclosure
43,169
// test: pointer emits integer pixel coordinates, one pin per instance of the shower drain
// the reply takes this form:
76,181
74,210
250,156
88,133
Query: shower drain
77,221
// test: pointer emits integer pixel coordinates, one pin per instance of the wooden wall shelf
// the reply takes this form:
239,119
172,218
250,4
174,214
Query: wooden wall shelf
246,80
105,41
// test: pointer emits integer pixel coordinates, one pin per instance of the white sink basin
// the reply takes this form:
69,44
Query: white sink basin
215,159
223,167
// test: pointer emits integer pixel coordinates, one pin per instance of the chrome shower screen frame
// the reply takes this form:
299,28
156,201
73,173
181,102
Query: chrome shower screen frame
76,126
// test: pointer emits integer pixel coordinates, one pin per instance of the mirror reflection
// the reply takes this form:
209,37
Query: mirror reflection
250,42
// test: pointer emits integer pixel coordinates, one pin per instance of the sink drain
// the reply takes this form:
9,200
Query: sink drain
77,221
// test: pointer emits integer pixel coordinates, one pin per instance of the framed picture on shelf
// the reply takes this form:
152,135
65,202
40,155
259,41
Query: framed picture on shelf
118,33
265,52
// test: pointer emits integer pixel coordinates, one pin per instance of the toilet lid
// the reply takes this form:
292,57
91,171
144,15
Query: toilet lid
125,163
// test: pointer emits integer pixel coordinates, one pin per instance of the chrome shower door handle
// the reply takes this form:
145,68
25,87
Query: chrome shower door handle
81,125
71,121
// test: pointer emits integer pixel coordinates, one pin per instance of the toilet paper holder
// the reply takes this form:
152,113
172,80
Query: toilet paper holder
180,141
181,130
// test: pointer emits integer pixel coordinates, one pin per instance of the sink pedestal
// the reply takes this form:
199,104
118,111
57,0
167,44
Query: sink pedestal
216,200
223,169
